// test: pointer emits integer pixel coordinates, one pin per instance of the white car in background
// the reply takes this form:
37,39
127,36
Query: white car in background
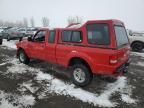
136,41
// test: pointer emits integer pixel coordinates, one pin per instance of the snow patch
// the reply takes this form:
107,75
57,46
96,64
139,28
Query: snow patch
19,67
27,86
3,63
137,54
140,64
15,101
127,99
9,44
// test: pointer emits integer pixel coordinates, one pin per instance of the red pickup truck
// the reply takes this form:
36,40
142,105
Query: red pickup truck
97,47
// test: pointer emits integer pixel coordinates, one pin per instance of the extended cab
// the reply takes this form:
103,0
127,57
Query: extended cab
97,47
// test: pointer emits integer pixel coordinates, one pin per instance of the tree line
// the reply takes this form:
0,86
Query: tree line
31,22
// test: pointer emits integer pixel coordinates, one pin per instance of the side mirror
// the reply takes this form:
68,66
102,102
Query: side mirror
29,39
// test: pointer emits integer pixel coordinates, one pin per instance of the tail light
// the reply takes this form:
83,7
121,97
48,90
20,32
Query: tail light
113,59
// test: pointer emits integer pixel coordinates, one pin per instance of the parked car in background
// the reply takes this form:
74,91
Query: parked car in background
99,47
4,32
31,31
12,33
136,41
22,31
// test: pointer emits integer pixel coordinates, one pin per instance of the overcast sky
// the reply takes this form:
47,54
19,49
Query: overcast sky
131,12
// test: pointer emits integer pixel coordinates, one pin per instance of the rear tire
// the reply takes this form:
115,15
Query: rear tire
137,46
23,58
81,75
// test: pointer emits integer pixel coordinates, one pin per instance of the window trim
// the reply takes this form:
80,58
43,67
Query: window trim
108,34
54,36
81,36
36,34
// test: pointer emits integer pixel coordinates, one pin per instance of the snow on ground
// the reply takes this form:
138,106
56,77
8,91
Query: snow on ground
9,44
59,87
127,99
138,54
15,101
140,64
27,86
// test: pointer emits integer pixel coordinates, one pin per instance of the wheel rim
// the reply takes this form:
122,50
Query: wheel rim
22,57
79,75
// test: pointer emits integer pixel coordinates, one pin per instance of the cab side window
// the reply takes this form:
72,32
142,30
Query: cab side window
66,36
39,37
71,36
76,36
51,37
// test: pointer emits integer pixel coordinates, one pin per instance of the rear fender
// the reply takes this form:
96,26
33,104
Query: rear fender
85,57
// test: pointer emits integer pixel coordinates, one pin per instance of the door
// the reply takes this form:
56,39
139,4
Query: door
51,47
37,45
68,41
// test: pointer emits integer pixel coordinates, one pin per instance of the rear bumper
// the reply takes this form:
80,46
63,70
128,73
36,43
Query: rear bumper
122,69
109,70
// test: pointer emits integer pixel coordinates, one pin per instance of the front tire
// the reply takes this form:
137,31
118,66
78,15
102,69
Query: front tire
23,58
81,75
137,46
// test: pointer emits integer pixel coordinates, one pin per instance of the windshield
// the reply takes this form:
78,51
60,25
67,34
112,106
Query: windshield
121,36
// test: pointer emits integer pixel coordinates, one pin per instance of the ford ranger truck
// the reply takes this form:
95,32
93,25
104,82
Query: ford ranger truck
98,47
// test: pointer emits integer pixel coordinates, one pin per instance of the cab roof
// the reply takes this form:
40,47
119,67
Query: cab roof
79,25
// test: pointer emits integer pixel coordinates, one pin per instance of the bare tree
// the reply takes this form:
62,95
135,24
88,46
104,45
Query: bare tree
19,24
1,23
11,23
32,22
75,19
25,22
45,21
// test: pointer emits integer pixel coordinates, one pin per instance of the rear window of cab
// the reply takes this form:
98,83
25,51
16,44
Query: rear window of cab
98,34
